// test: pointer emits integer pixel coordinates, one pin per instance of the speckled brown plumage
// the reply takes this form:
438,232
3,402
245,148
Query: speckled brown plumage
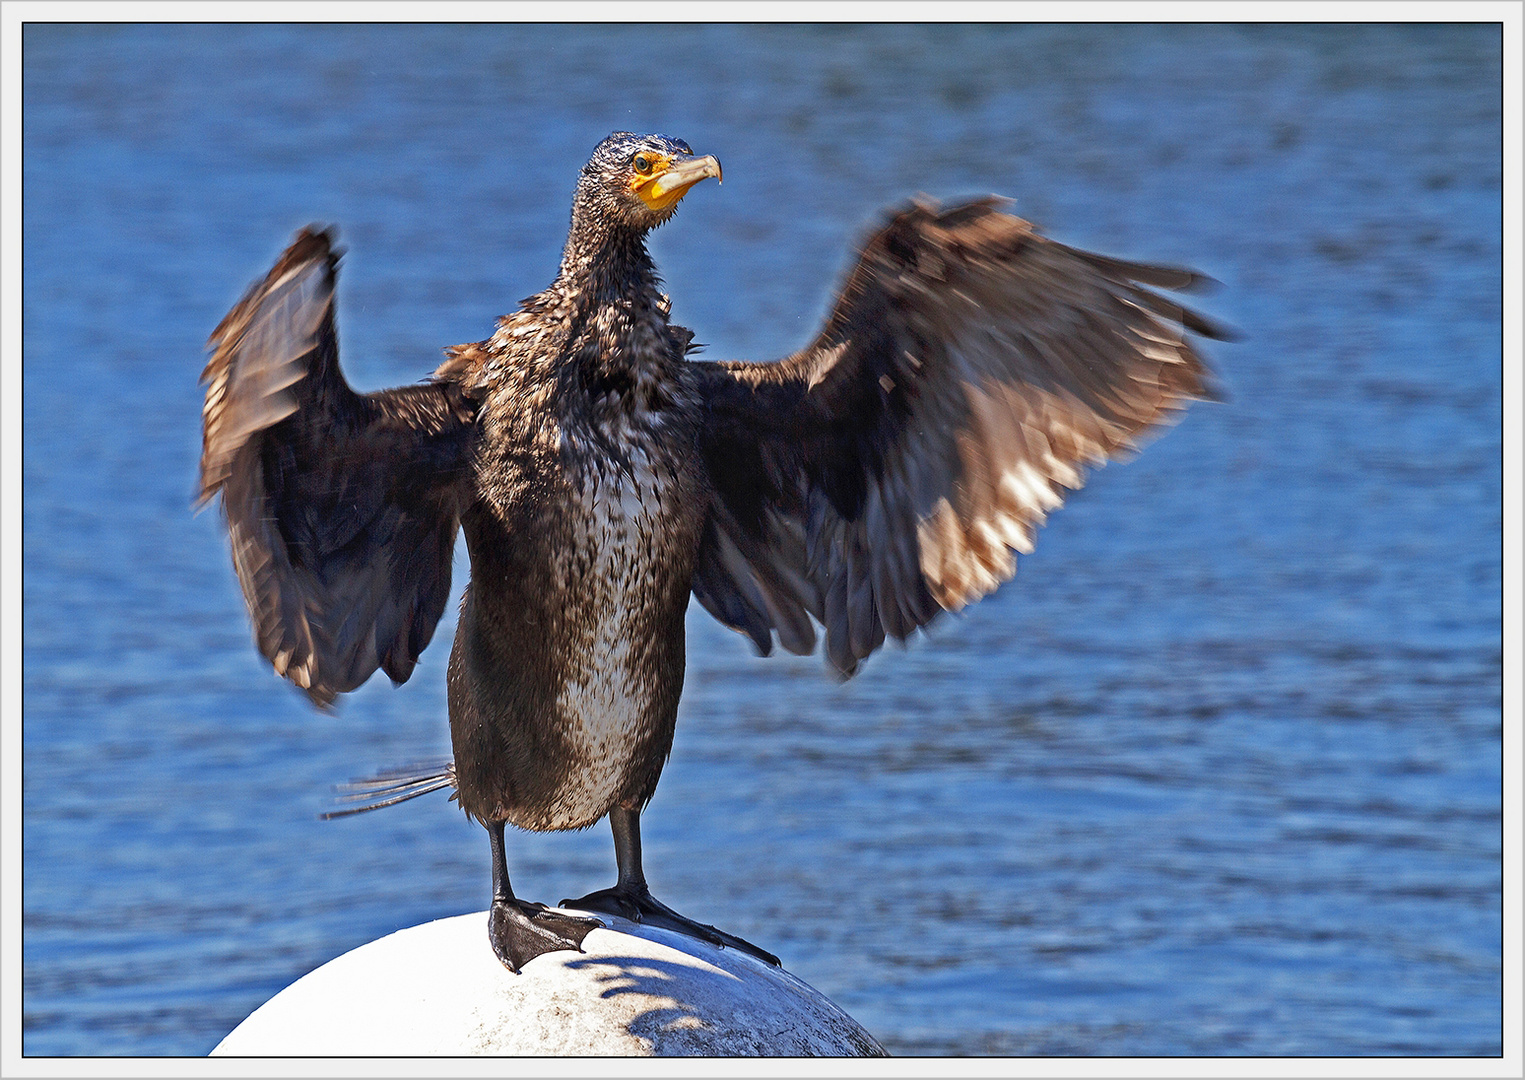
968,374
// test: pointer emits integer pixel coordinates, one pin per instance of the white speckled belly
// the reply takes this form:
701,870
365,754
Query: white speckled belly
606,705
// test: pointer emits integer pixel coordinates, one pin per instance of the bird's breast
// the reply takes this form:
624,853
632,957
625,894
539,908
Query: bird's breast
628,586
598,557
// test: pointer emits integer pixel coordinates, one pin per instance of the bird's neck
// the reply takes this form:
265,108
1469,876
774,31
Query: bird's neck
619,347
604,263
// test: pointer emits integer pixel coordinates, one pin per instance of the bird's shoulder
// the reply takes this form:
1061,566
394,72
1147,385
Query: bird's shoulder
526,342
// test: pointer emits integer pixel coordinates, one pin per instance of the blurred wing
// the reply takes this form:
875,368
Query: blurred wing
969,372
342,508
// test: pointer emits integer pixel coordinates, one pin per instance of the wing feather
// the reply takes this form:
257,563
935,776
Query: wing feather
970,372
342,509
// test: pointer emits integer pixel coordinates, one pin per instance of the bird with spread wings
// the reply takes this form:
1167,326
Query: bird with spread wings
969,373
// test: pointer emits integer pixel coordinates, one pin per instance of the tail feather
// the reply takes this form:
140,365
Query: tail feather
392,786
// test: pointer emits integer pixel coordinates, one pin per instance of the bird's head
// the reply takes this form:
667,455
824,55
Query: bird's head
635,181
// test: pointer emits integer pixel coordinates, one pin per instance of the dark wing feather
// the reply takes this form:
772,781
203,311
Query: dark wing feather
342,508
968,374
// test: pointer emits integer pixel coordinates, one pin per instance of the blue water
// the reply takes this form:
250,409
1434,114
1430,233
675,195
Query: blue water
1218,773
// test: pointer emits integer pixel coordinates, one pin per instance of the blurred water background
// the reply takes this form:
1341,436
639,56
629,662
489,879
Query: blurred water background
1218,773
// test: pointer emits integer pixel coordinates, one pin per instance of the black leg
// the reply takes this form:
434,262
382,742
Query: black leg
501,889
520,930
626,826
631,899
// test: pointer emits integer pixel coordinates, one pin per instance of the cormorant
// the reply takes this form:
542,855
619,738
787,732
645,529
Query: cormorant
968,372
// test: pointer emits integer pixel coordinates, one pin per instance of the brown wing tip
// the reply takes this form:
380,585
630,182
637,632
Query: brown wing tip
1201,325
322,698
312,243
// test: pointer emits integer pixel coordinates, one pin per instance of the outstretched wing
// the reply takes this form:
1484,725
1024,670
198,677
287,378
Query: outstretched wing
970,371
342,508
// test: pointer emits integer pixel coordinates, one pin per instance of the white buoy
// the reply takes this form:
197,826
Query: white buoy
635,990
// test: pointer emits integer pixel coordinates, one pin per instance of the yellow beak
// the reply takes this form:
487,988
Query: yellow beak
661,191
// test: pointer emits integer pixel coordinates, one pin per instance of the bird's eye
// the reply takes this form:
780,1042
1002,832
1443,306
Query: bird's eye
642,164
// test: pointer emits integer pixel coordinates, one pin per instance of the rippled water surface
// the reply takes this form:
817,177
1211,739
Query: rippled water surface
1218,773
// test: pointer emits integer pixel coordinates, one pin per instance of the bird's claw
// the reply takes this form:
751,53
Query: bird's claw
639,906
520,931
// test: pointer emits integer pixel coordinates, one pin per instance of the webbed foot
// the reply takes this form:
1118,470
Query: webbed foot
638,905
520,931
